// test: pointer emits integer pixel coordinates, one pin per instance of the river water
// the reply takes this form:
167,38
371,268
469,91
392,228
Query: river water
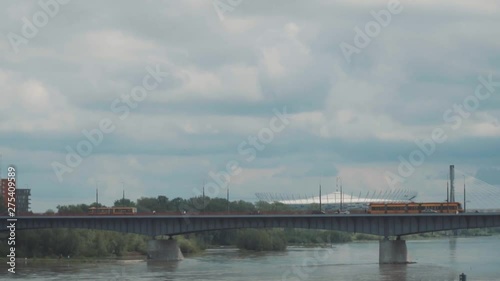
441,259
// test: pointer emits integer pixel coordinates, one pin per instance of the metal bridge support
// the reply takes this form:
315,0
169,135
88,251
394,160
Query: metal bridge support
393,251
164,250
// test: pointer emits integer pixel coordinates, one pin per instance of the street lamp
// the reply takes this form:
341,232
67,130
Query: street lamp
227,198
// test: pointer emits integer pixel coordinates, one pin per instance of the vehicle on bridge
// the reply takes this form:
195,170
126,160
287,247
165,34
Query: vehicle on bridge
415,208
112,211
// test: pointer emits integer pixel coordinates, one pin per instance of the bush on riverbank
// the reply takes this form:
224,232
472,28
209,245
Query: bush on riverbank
315,237
55,243
364,237
190,244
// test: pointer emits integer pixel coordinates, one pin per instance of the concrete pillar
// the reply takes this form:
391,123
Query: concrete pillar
164,250
392,251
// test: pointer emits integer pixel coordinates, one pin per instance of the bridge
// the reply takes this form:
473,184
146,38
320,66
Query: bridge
386,225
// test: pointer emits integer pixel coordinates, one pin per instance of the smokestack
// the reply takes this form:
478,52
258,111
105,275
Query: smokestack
447,192
452,183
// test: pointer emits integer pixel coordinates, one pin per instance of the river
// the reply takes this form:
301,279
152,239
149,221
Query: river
437,259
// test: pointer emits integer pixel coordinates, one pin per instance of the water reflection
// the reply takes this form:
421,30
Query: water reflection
393,272
50,267
453,249
439,259
162,266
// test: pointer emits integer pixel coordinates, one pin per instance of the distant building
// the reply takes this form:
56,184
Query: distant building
22,196
4,185
23,200
337,200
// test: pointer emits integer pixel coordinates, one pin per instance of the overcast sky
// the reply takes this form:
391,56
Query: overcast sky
323,89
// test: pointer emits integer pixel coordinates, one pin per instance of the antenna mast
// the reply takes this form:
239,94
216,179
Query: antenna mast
452,183
341,194
464,195
227,199
320,197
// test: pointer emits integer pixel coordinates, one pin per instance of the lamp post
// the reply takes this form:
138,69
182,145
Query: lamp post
465,201
227,199
320,198
341,195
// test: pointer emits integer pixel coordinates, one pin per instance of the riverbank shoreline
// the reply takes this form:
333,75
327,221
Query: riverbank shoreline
138,257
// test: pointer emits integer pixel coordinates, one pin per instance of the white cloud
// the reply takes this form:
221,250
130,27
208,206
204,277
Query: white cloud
110,45
238,25
33,107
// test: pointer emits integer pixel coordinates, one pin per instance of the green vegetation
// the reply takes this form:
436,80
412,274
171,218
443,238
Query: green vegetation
306,237
272,207
80,243
262,240
364,237
460,233
56,243
190,244
480,232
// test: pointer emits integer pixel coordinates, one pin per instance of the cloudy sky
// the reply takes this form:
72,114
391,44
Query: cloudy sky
280,95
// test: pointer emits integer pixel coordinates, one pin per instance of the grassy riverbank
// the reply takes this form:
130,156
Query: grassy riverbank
193,244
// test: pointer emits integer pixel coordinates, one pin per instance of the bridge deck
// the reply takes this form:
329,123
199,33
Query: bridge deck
153,225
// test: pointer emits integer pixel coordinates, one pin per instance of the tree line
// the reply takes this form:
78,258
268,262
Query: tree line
57,243
96,243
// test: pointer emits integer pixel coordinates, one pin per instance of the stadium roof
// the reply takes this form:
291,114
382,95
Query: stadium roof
334,197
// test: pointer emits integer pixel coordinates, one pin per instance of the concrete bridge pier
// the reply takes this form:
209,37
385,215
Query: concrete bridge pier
393,251
164,250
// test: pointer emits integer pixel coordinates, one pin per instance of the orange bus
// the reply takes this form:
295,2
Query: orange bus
112,211
415,208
